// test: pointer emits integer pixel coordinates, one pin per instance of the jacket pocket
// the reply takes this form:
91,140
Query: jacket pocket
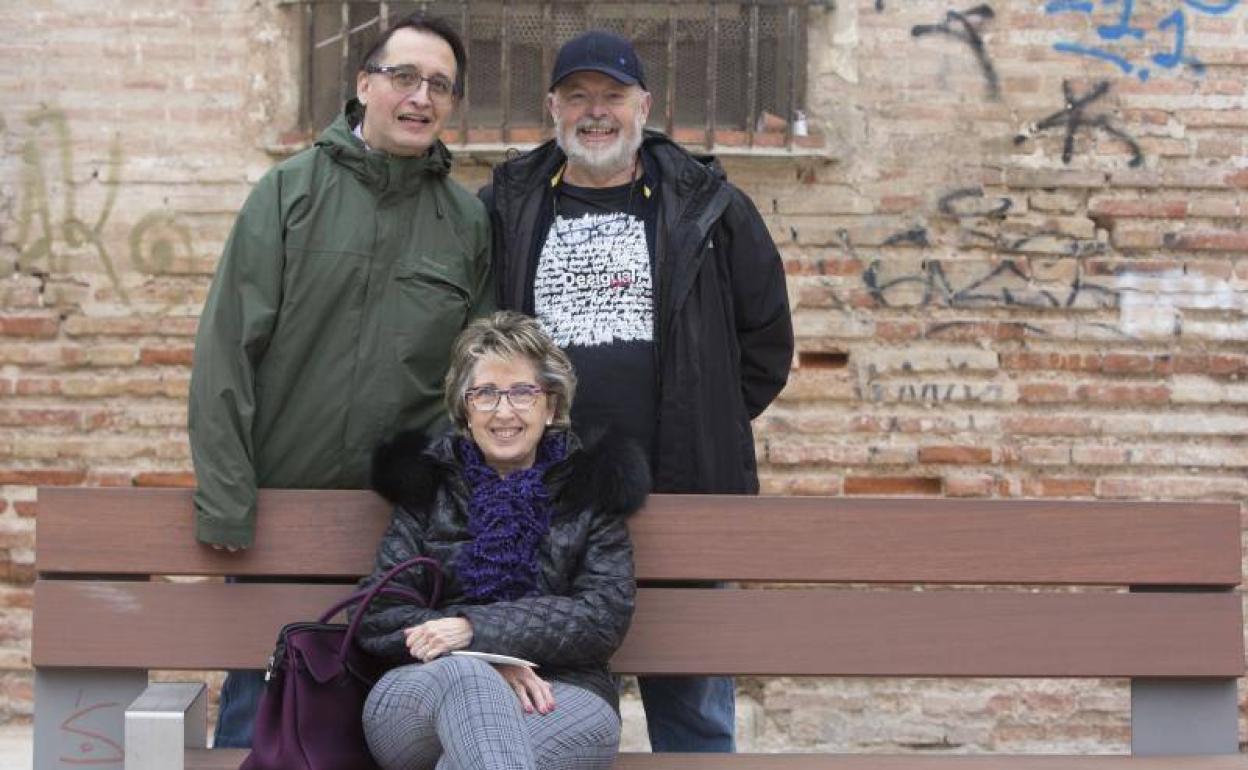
431,304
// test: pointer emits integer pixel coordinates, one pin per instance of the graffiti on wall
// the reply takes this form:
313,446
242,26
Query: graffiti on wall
935,391
1149,306
1133,48
967,27
970,202
1008,283
56,233
1139,48
1074,118
1038,271
982,222
49,224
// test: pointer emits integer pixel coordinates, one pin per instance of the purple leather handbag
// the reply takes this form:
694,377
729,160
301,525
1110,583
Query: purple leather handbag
309,715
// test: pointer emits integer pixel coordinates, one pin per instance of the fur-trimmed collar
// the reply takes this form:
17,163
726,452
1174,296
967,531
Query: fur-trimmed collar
603,472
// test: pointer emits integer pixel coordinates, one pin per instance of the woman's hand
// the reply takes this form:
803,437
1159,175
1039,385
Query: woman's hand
438,637
533,691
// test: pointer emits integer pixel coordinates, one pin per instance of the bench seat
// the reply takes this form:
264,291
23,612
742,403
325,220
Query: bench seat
823,587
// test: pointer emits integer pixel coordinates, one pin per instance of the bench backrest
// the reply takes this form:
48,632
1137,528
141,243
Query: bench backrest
97,549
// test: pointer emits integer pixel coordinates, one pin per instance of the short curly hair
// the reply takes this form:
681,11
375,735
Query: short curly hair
510,335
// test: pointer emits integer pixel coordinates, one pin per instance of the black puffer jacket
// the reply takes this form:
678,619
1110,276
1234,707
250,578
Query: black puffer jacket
586,560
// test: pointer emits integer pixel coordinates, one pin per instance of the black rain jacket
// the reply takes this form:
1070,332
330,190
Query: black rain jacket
724,336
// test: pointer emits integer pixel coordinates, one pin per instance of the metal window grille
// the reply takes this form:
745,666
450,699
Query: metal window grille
719,72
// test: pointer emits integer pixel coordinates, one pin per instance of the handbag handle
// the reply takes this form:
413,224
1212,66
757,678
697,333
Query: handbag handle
365,599
397,592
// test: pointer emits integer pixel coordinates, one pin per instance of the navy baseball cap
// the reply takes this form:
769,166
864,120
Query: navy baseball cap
599,51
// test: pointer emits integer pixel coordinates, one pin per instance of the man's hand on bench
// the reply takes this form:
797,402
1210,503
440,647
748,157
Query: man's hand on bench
230,548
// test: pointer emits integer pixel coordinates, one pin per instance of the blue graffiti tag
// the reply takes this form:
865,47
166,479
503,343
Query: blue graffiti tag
1064,6
1123,27
1217,9
1120,30
1175,57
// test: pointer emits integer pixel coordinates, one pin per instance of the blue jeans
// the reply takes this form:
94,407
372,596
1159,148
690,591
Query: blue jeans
240,697
691,713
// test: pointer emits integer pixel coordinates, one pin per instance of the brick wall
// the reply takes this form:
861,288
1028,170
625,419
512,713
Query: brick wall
984,307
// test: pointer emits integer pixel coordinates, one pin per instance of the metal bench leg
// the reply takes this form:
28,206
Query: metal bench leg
1184,716
79,716
163,722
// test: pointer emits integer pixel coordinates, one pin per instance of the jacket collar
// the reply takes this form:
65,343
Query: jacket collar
377,170
663,161
693,196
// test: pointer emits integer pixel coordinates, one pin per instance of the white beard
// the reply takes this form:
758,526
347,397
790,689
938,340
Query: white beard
601,161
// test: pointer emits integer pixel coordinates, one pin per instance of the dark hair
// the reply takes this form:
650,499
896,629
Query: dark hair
434,26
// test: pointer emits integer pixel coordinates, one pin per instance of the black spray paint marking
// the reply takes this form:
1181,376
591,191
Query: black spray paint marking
970,202
1074,119
938,289
916,236
968,27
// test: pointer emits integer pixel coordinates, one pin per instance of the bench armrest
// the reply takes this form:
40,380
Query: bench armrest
163,722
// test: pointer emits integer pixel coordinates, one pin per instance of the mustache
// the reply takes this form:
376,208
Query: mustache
589,124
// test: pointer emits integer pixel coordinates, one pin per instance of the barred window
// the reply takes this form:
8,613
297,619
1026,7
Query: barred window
721,73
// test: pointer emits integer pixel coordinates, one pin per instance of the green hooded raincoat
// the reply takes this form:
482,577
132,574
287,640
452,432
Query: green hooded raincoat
329,325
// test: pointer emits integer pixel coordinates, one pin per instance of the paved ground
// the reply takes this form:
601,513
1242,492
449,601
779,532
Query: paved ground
15,747
16,741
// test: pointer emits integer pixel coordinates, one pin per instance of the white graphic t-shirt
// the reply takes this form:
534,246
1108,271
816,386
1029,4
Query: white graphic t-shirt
593,292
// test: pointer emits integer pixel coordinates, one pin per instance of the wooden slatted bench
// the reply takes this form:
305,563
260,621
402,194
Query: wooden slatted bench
1174,625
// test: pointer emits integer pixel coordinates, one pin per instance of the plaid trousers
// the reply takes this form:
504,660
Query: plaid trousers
457,713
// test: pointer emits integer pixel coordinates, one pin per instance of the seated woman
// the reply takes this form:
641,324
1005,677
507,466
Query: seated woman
528,525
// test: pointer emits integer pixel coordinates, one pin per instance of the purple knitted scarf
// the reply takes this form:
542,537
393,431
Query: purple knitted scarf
507,518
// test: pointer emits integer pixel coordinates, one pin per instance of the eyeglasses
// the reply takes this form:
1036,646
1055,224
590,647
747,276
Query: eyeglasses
488,397
407,80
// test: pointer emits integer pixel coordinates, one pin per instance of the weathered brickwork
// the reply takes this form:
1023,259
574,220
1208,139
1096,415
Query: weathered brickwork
1020,271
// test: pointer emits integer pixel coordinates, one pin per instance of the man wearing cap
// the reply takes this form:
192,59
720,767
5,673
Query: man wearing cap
661,282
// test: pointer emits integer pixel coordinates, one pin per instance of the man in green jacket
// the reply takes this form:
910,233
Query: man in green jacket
349,272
